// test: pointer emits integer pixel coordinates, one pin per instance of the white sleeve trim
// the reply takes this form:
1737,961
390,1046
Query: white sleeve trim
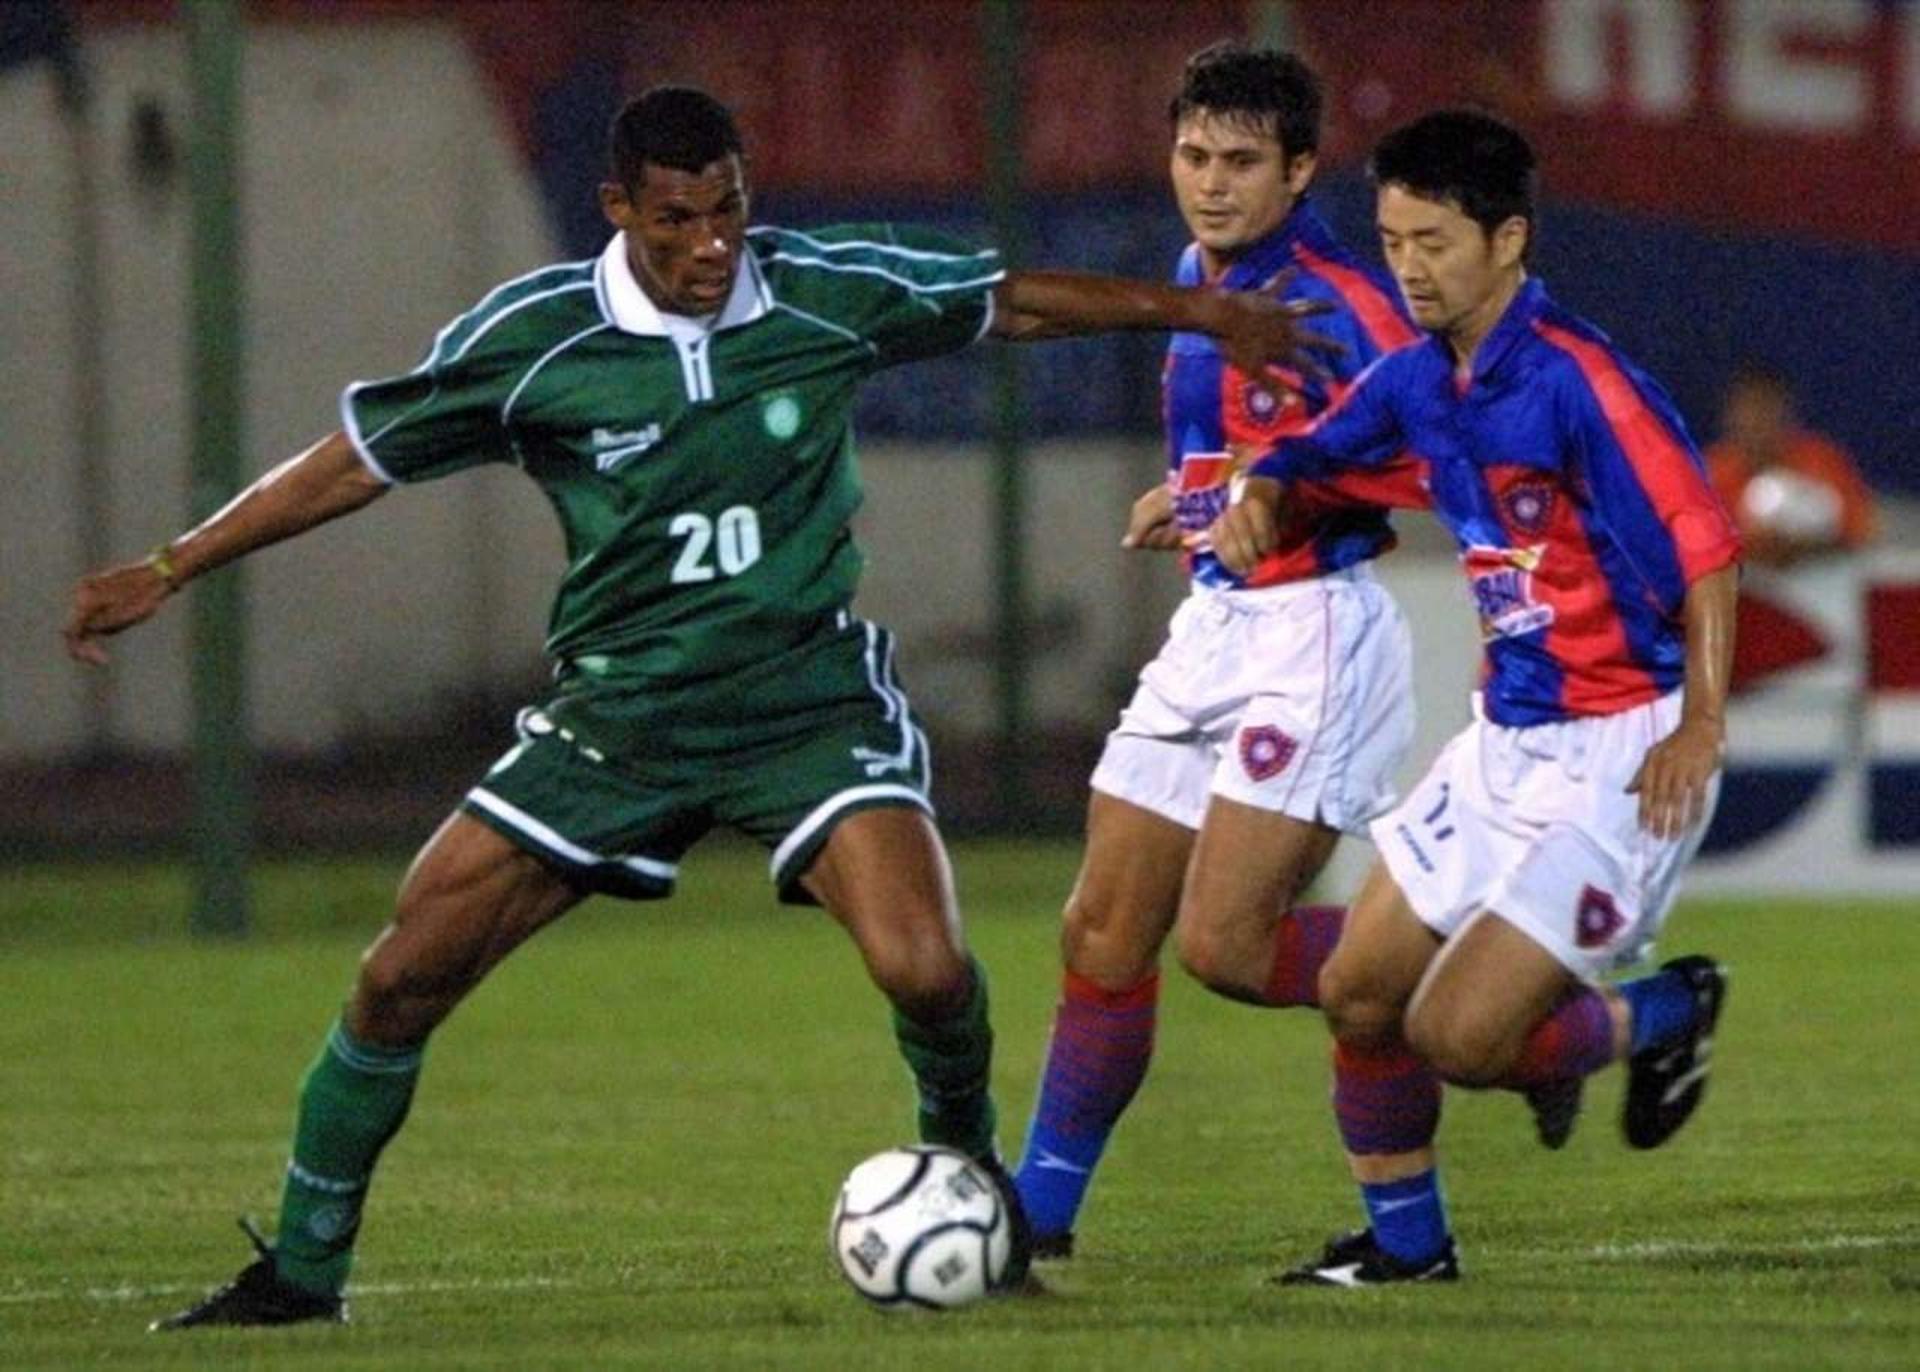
350,425
986,316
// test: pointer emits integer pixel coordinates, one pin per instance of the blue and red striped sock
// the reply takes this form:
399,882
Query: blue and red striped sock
1663,1007
1408,1217
1102,1042
1302,943
1388,1101
1576,1040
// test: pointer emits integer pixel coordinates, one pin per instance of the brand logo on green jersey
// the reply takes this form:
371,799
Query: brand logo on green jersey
611,447
781,415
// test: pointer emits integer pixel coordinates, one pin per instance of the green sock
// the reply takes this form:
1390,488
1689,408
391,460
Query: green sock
353,1099
951,1060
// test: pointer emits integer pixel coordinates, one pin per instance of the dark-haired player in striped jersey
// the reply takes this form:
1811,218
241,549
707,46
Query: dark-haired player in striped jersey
1273,719
684,403
1544,846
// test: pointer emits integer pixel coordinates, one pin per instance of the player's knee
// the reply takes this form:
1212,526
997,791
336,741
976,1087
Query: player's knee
1097,941
1343,997
1356,1012
1208,956
382,976
398,997
925,978
1463,1052
382,1007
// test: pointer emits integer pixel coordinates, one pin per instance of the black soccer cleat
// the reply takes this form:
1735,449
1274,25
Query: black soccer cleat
1019,1230
258,1297
1356,1259
1556,1109
1665,1082
1053,1247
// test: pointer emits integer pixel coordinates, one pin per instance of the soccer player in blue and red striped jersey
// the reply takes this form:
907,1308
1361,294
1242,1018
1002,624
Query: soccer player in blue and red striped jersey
1543,848
1277,713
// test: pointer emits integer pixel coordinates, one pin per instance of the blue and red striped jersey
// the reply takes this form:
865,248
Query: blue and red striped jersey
1581,508
1218,417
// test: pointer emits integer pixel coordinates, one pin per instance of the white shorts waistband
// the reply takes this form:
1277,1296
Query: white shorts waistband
1254,599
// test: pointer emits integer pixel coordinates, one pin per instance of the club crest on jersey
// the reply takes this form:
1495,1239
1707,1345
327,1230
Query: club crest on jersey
611,447
1597,919
1265,751
1528,505
781,415
1265,401
1502,584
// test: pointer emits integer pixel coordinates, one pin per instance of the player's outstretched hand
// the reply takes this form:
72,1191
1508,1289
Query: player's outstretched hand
1260,330
1247,530
106,602
1150,524
1673,778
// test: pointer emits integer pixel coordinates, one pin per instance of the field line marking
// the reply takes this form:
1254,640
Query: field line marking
354,1290
1661,1248
1605,1252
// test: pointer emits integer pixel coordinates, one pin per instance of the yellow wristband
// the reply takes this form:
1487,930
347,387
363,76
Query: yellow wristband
161,560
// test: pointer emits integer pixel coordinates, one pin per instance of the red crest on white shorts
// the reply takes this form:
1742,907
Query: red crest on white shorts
1597,920
1265,751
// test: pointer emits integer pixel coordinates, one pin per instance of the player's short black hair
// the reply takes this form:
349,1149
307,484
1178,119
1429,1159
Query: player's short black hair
1470,158
669,126
1271,90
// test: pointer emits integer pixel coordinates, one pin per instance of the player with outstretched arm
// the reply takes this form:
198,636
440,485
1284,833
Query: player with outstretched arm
683,401
1545,844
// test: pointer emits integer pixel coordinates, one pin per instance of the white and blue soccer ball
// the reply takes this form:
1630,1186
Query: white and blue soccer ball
921,1228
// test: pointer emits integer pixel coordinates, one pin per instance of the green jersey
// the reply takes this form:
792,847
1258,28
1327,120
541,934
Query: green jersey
703,471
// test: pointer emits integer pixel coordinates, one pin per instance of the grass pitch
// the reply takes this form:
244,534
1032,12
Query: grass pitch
625,1147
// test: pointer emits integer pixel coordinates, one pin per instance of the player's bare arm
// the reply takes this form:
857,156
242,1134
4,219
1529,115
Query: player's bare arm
1150,523
322,483
1672,782
1255,328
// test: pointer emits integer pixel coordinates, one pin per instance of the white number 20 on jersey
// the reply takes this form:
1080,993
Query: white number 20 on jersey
733,539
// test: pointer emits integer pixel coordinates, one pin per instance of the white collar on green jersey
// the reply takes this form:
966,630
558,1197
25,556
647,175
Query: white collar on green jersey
626,307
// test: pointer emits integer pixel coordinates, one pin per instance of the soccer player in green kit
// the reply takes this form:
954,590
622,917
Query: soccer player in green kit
683,401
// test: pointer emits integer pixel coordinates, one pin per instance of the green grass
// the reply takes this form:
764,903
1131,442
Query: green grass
625,1148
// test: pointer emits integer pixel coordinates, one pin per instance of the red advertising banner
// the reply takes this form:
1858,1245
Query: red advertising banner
1796,116
862,98
1789,116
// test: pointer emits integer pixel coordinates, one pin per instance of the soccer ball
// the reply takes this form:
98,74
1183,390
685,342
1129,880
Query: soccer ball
921,1228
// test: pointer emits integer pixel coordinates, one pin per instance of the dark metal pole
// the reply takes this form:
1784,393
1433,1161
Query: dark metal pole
222,763
1002,49
1272,24
93,475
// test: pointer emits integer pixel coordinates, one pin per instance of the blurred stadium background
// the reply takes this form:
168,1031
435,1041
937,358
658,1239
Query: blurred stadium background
1726,180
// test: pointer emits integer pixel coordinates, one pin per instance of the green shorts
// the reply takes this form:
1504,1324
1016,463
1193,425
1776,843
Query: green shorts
612,784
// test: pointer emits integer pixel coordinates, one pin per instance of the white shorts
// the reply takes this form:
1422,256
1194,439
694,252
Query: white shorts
1295,698
1536,825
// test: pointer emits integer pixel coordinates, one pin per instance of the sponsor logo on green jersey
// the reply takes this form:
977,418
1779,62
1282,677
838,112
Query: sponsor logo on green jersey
611,447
